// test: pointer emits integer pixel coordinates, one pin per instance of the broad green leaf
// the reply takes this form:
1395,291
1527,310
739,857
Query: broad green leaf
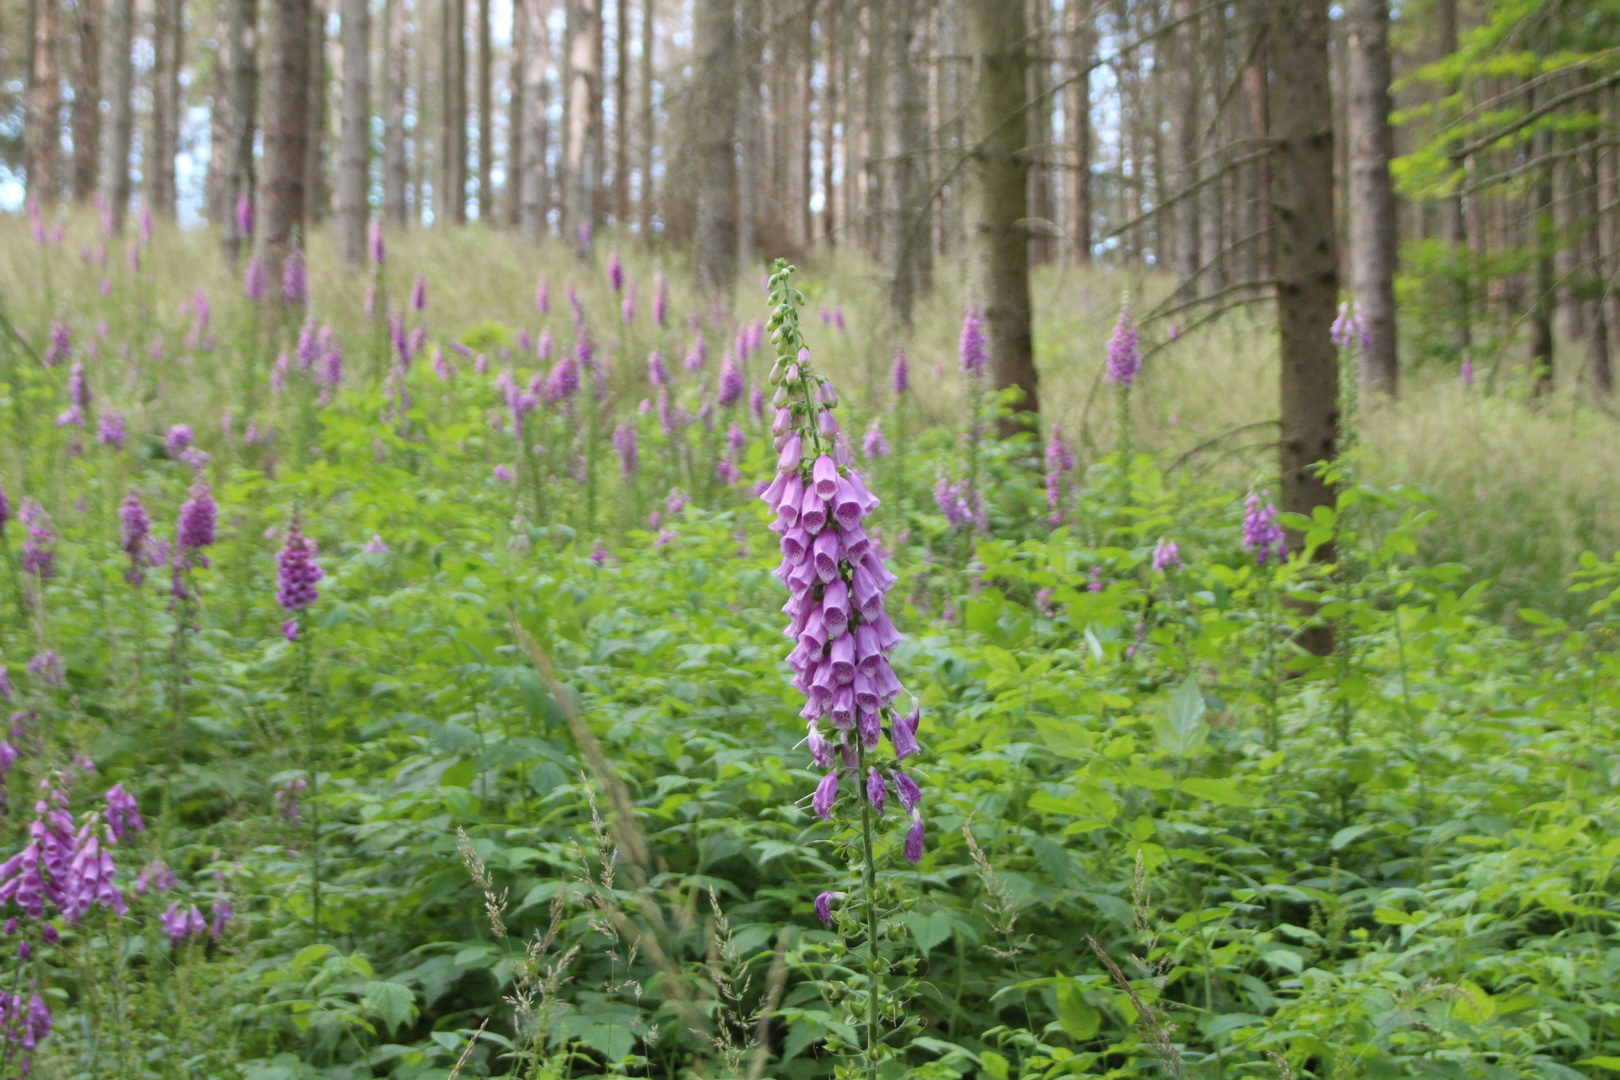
1080,1020
1181,730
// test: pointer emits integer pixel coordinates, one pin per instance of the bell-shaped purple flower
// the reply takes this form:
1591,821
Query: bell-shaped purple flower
297,572
1124,351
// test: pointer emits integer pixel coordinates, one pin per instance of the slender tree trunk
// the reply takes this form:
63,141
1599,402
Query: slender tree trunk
1373,235
1042,196
909,258
649,137
1543,299
1591,276
159,168
451,207
396,172
1186,120
216,175
87,100
829,121
750,128
808,131
43,133
998,176
714,94
316,88
486,116
354,149
1082,43
1307,259
621,113
1212,198
121,112
516,119
241,32
1454,220
583,162
286,130
1257,217
535,62
875,127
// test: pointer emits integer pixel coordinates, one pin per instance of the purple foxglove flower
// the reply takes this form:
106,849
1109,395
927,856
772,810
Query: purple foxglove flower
824,906
615,271
5,510
244,216
1261,533
902,373
731,384
972,347
914,842
176,441
736,439
598,553
826,794
1468,371
61,345
627,307
502,473
38,557
180,923
876,790
198,515
376,546
295,280
756,403
1124,352
542,298
219,917
418,294
297,572
255,279
874,445
305,352
154,876
47,668
134,529
903,734
661,301
1346,332
908,791
624,441
1165,555
698,354
441,366
657,373
378,251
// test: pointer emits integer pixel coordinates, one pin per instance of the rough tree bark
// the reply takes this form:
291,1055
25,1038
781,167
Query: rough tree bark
714,95
242,19
648,135
909,255
621,113
1592,277
750,129
829,113
1373,231
159,168
315,88
1542,241
1082,43
582,162
286,130
450,202
396,173
354,141
1307,258
536,100
43,132
516,121
1259,243
86,119
998,194
1042,196
121,111
1185,120
1453,218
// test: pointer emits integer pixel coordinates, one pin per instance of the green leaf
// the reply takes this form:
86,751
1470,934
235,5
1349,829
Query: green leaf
1472,1005
1064,736
1349,834
1080,1021
994,1064
1181,731
394,1003
1222,792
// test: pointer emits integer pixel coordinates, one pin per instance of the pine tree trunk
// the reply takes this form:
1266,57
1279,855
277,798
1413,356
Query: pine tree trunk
829,114
159,167
396,171
1453,219
516,121
649,137
315,193
217,170
87,100
354,141
1373,235
1542,300
1592,276
1082,43
451,206
486,115
714,94
1259,239
121,112
536,59
621,113
582,156
1042,197
43,132
909,255
1212,197
1307,258
1185,122
807,98
998,177
286,130
750,133
241,31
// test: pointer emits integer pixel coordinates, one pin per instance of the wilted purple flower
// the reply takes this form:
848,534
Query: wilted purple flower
244,216
256,279
874,445
378,251
1124,354
198,515
972,346
123,813
111,429
624,441
914,841
698,354
5,510
37,556
731,384
175,443
295,279
60,346
134,527
1261,533
1166,556
615,270
297,572
823,905
418,294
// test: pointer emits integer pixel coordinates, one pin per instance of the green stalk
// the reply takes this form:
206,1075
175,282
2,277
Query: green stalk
874,965
306,666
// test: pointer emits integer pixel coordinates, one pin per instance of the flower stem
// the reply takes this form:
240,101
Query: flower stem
306,665
874,986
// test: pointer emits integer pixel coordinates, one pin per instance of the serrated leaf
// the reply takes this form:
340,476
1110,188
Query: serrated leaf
1181,731
1078,1018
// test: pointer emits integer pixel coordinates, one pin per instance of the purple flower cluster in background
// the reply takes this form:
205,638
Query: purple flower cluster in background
1166,556
1124,350
1059,461
1348,333
1261,533
972,346
297,574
